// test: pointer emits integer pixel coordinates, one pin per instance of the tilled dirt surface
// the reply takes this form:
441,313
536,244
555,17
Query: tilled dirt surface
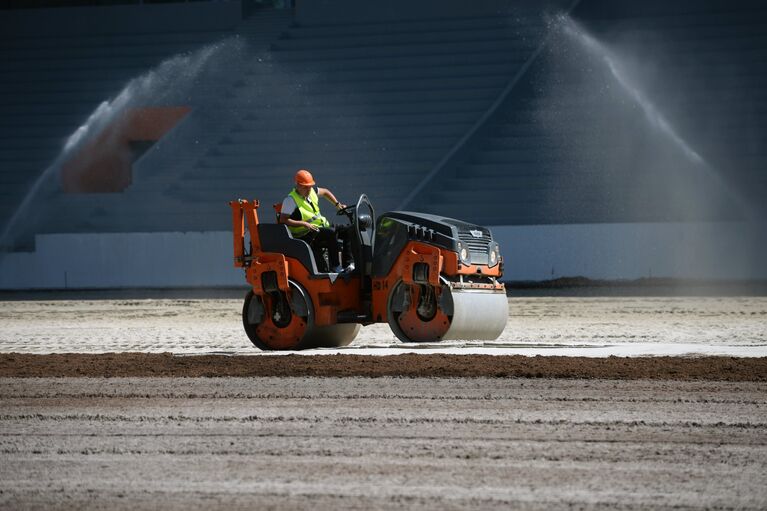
164,404
381,443
410,365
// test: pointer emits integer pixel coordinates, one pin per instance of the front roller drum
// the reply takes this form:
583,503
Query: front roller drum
423,313
285,321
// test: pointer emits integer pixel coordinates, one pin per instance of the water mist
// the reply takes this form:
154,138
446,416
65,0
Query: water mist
173,80
653,116
631,160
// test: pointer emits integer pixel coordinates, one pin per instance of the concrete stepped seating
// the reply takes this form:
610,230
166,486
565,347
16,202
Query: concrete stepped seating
107,218
36,91
528,211
65,85
239,186
392,90
42,109
50,85
397,169
544,176
446,48
212,210
427,136
82,41
335,159
369,107
717,49
105,64
15,153
30,166
341,98
250,147
420,37
9,180
353,176
289,161
37,119
582,205
299,132
337,121
317,31
729,19
88,78
432,71
415,39
383,75
31,143
25,58
402,62
700,99
515,168
337,126
729,91
148,211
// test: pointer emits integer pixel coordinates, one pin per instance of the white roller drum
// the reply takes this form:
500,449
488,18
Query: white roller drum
478,315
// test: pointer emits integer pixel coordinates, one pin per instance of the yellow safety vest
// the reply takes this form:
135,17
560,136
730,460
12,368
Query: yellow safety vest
310,212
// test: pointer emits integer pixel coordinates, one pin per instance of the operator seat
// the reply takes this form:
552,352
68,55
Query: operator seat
277,238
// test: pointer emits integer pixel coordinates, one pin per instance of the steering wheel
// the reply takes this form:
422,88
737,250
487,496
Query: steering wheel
348,211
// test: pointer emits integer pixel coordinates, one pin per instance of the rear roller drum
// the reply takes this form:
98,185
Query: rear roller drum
418,312
285,321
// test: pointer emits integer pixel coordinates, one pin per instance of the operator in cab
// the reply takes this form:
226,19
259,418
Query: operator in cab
301,213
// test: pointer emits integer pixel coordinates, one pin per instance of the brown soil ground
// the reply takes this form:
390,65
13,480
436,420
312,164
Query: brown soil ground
407,365
337,444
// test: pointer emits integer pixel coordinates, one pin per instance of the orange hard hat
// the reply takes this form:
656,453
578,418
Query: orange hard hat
304,178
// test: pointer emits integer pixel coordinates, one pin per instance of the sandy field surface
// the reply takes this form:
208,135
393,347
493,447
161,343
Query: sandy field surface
163,403
381,443
732,325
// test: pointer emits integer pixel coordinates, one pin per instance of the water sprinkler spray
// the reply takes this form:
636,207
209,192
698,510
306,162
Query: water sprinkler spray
171,79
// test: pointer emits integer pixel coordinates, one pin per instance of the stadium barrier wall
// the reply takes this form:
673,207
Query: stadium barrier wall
723,251
123,260
705,250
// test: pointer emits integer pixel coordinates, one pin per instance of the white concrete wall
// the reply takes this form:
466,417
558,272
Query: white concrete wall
122,260
630,251
204,259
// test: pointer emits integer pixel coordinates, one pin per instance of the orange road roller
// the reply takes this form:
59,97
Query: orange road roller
430,278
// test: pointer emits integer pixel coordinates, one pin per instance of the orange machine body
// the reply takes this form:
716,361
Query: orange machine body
328,297
441,263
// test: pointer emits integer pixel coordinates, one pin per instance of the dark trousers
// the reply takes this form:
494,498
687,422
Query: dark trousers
327,238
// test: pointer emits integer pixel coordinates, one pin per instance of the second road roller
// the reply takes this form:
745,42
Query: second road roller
429,277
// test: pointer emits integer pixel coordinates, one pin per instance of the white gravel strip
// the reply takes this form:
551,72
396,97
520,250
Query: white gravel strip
599,327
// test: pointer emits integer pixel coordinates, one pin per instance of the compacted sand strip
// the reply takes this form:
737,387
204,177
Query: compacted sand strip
381,443
411,365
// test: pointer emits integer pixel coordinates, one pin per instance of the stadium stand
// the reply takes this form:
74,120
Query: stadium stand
450,114
368,107
165,194
579,148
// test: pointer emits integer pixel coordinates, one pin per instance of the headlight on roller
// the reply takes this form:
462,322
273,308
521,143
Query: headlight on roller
494,254
463,253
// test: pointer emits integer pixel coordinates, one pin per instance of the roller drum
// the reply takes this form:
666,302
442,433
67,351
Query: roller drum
292,326
330,336
478,315
419,313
